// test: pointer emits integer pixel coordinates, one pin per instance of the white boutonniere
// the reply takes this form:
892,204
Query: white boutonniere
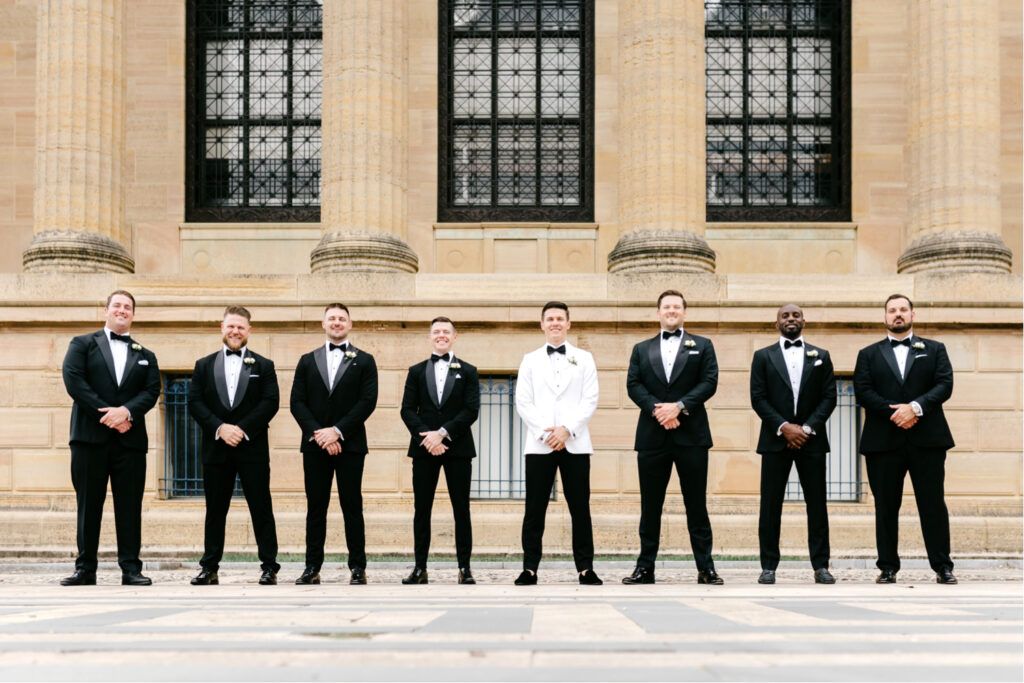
349,355
136,347
689,343
249,360
572,360
813,353
918,345
454,365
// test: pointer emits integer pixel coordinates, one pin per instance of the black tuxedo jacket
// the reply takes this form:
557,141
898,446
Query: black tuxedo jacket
457,410
257,399
694,380
91,381
877,384
771,395
346,405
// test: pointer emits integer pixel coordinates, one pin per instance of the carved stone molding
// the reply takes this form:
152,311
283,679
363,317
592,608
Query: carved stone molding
60,251
662,250
366,252
962,252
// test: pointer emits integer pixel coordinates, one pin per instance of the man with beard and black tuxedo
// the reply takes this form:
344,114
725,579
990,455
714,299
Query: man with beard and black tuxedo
671,376
556,395
902,382
334,392
233,396
793,391
440,403
114,382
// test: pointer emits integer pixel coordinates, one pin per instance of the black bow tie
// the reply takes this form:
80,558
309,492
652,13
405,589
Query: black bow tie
229,352
434,358
556,349
665,334
900,342
339,347
114,336
788,344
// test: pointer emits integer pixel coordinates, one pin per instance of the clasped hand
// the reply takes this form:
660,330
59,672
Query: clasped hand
232,435
903,416
667,415
556,437
433,442
116,418
328,439
794,435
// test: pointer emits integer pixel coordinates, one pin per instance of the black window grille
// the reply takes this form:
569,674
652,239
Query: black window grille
777,110
516,110
498,470
253,110
843,474
183,443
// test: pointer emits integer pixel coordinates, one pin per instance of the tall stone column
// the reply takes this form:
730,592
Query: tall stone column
661,138
953,193
364,124
79,208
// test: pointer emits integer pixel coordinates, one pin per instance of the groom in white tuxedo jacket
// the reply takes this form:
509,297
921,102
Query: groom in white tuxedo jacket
556,395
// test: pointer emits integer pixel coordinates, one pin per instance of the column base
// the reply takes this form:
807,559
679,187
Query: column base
962,252
662,250
69,251
362,252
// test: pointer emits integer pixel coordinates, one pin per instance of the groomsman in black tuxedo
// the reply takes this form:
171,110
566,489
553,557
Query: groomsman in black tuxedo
233,396
902,382
671,376
334,392
793,391
440,403
114,382
556,395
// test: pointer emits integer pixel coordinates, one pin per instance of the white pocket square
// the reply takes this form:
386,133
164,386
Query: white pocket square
253,376
921,355
143,362
458,376
818,362
694,353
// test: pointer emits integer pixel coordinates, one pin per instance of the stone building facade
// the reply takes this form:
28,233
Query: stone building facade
916,187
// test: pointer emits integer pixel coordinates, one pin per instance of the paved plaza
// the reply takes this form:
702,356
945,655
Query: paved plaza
673,630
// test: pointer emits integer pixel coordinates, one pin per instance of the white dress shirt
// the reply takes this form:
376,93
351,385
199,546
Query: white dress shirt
441,374
794,357
232,369
669,349
334,358
559,364
902,352
119,350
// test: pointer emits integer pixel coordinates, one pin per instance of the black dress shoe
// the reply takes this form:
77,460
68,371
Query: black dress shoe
268,578
526,579
310,577
589,578
80,578
767,576
358,577
205,578
135,579
887,576
710,577
945,576
466,576
418,576
823,575
639,575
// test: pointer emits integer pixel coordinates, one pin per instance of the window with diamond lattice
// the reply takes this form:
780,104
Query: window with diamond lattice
253,138
516,101
777,109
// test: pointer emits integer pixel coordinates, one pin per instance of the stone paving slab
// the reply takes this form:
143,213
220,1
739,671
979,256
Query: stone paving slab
915,630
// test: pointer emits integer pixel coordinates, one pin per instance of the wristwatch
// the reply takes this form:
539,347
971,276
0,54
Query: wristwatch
807,430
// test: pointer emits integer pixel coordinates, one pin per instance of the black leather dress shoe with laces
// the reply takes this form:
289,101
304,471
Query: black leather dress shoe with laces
310,577
358,577
945,576
887,576
418,576
268,578
466,577
709,577
767,576
526,579
205,578
80,578
823,575
135,579
639,575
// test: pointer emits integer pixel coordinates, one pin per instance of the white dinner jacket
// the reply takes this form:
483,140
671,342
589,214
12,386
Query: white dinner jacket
541,407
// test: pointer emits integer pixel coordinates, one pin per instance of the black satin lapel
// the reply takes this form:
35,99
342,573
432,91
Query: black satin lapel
682,355
243,380
343,368
449,385
219,380
910,362
890,357
428,377
808,368
654,355
130,361
320,358
104,345
779,362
